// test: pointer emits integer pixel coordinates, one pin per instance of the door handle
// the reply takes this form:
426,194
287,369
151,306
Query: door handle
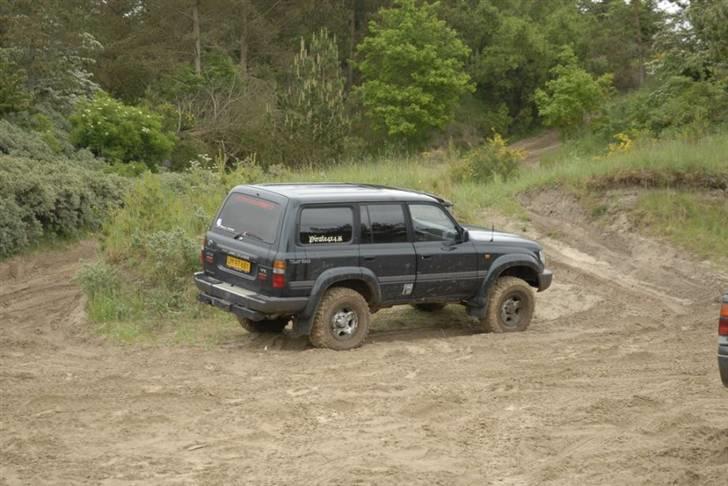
426,257
369,259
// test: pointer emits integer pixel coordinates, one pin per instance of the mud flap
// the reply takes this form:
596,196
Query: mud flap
302,326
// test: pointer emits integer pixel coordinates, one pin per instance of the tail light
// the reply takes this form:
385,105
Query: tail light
723,322
279,274
202,253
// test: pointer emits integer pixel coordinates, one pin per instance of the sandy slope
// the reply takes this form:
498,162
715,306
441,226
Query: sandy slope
614,383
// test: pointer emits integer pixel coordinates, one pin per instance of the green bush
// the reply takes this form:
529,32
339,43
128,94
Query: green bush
413,69
120,133
572,95
152,242
487,162
59,198
21,142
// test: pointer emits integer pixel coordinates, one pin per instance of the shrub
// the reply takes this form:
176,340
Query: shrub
20,142
492,160
573,94
59,198
120,133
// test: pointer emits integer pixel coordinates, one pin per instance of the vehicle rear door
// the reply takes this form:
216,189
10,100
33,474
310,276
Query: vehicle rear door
446,266
386,249
239,242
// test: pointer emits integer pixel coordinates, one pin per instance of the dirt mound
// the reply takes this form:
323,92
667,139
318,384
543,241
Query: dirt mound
614,383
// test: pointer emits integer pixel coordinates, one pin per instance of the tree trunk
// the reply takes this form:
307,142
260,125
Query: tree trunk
244,14
352,42
196,35
637,10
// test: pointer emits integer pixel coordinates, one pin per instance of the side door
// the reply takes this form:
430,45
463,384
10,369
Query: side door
385,248
446,266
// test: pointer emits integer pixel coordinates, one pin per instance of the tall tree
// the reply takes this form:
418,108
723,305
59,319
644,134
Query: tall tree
412,64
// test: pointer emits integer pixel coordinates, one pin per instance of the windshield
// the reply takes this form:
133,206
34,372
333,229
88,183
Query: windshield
249,217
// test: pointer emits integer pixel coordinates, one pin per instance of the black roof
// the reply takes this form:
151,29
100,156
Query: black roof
344,192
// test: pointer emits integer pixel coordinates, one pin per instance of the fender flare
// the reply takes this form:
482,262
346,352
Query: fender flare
325,281
500,265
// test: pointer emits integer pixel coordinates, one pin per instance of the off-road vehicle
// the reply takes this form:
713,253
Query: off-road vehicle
326,256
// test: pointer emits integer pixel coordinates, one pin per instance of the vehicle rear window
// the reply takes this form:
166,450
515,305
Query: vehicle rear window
385,224
326,226
250,217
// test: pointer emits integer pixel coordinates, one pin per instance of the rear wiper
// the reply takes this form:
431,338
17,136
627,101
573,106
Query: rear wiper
246,234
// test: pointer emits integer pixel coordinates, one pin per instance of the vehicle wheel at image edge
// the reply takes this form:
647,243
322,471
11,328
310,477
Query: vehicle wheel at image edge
341,321
432,307
511,304
266,326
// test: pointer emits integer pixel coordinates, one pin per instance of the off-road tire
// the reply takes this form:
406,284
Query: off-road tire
432,307
271,326
336,300
515,290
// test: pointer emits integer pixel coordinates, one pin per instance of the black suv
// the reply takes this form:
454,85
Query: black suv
327,255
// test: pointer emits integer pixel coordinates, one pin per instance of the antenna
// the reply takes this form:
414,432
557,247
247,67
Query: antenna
492,232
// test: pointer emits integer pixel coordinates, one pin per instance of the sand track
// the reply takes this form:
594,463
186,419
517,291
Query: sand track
614,383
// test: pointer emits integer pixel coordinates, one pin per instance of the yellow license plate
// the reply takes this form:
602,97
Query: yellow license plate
238,264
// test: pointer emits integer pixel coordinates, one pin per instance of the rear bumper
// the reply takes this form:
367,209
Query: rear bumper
244,302
544,280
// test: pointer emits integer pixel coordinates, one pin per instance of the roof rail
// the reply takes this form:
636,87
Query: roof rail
439,199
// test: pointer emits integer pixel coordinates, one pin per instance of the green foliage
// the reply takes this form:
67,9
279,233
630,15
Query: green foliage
571,96
492,161
20,142
120,133
413,69
13,94
59,198
315,121
674,107
152,243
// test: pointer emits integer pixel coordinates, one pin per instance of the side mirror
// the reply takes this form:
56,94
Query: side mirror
464,235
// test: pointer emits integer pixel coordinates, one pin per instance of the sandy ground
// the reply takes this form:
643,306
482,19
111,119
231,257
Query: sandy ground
614,383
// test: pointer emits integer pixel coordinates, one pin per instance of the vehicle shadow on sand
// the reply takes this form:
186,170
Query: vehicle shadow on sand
389,325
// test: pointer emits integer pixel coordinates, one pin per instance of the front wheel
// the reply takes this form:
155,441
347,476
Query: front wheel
510,306
268,326
341,321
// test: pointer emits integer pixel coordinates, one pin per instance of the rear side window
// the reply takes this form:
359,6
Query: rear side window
249,217
326,226
385,224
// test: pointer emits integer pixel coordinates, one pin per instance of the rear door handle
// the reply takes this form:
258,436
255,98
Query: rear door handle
369,259
426,257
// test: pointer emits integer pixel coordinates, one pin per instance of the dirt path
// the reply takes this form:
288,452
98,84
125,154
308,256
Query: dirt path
538,146
614,383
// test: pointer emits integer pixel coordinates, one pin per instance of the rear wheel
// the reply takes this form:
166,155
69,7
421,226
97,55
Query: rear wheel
510,306
341,321
265,326
433,307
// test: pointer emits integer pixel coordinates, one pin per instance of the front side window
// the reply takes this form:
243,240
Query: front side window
385,224
431,223
326,226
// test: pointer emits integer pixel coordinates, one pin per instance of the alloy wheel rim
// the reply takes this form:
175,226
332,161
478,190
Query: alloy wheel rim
511,311
344,323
